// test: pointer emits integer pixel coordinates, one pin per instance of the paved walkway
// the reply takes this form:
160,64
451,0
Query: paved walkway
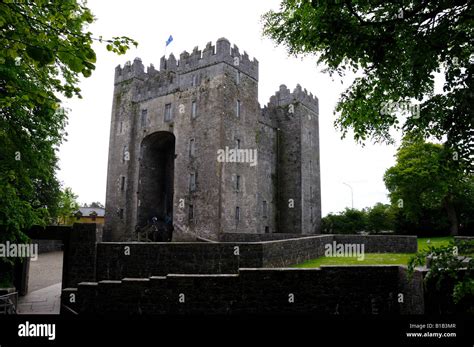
42,301
44,286
45,271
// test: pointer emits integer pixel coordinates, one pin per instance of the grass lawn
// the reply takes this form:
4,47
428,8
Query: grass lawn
377,258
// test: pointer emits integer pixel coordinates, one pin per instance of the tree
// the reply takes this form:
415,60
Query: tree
423,178
67,206
350,221
380,217
399,46
46,47
95,204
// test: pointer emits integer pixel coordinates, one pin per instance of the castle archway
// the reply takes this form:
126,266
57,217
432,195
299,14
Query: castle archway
156,178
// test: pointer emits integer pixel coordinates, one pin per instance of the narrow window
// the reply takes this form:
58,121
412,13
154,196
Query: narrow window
121,213
238,77
311,192
237,214
264,208
122,184
191,213
193,109
310,139
237,143
143,120
191,148
167,112
121,128
311,214
310,167
192,182
238,108
267,230
194,81
237,182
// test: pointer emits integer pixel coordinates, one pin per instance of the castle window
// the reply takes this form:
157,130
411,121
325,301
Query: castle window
311,214
238,77
310,139
121,213
237,214
237,182
121,128
143,119
194,81
310,167
167,112
194,110
237,143
191,213
192,148
192,182
267,230
310,192
122,183
238,108
264,209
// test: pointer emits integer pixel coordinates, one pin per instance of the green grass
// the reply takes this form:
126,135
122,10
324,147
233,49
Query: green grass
434,241
377,258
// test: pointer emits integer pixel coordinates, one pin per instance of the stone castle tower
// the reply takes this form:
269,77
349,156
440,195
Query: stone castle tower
190,142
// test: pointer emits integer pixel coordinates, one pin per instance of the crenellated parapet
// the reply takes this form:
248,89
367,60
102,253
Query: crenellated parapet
130,71
222,51
285,97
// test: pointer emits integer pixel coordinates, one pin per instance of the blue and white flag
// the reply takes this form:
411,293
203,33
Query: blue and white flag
169,40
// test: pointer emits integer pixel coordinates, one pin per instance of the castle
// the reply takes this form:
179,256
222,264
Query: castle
190,143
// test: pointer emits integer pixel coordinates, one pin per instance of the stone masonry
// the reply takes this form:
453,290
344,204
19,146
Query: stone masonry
169,130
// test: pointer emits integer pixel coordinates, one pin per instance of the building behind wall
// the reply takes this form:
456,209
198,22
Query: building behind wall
172,136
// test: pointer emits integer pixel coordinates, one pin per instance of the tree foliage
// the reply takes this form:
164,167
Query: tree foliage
95,204
46,48
450,275
425,178
381,217
399,46
67,206
350,221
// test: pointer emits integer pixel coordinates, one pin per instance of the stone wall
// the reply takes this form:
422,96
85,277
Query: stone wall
247,237
382,243
464,238
117,260
328,290
45,246
79,255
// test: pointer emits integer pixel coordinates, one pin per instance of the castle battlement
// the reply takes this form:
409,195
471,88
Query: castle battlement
285,97
187,62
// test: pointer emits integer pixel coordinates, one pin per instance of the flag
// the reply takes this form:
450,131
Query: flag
169,40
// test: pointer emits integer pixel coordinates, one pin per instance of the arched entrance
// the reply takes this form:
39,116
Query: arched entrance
156,178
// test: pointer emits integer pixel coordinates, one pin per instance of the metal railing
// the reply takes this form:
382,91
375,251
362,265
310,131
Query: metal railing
8,303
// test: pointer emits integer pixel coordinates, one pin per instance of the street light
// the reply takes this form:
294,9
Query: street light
352,193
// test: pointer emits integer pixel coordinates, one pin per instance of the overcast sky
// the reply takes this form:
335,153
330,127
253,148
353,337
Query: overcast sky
83,158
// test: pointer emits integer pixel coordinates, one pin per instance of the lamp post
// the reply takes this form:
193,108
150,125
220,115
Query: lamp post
352,193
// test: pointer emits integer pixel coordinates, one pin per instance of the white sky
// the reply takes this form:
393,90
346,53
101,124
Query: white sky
83,158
